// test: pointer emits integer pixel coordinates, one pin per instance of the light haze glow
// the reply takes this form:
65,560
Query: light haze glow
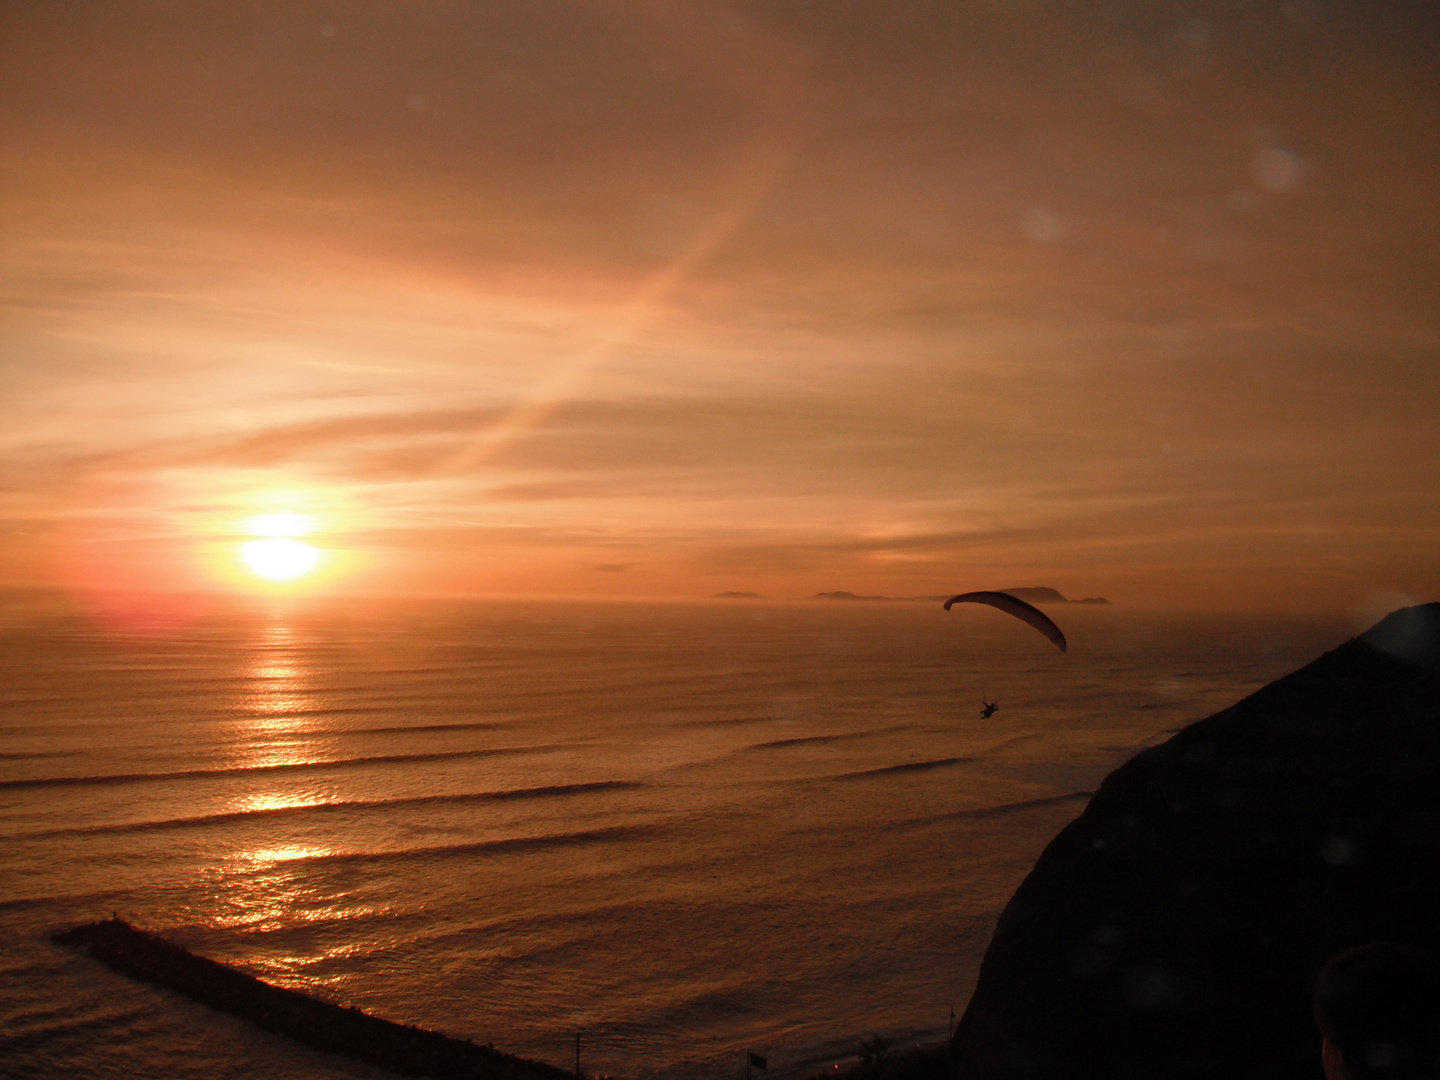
670,300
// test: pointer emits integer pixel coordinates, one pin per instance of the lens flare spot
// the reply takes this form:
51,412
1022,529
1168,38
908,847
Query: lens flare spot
280,558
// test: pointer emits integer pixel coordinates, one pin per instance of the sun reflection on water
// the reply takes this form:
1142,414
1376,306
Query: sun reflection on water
276,722
275,679
266,882
258,858
266,888
273,801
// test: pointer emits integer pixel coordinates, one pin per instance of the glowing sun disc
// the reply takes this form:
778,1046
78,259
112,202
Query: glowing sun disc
280,559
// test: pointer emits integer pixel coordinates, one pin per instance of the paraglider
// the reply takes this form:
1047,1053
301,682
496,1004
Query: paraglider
1012,606
989,710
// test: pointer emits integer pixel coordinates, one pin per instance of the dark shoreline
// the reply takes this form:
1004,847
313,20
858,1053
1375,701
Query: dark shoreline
335,1029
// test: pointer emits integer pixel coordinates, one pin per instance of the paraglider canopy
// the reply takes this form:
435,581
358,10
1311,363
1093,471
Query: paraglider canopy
1013,606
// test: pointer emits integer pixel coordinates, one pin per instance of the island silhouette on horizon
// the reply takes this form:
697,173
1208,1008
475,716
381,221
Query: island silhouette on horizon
1033,594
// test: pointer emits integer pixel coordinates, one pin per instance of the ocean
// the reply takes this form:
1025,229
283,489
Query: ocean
679,830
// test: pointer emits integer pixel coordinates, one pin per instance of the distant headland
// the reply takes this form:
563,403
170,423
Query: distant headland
1040,594
731,594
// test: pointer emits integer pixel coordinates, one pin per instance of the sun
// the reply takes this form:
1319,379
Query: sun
279,556
280,559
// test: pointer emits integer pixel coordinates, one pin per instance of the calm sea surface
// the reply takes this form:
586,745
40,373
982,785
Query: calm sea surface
680,829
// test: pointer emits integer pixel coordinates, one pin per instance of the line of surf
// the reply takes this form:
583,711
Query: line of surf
980,813
727,721
255,770
905,767
808,740
510,845
465,725
288,714
815,740
58,902
21,1039
270,813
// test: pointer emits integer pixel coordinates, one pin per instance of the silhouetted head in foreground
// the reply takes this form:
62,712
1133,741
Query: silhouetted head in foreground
1378,1007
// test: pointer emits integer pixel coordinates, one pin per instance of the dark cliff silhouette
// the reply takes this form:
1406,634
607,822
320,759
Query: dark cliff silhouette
1175,929
410,1051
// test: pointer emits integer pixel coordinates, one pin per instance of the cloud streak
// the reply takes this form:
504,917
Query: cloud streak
767,297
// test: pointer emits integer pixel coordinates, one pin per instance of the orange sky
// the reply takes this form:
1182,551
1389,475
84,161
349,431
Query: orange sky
650,299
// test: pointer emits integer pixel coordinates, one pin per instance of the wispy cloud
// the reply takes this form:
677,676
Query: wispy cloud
682,298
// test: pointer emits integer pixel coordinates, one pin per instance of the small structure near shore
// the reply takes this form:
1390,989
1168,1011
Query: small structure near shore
403,1049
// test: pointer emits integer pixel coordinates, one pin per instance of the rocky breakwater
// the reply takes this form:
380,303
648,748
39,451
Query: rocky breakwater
1176,927
403,1049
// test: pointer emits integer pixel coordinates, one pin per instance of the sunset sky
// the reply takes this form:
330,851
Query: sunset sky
664,299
